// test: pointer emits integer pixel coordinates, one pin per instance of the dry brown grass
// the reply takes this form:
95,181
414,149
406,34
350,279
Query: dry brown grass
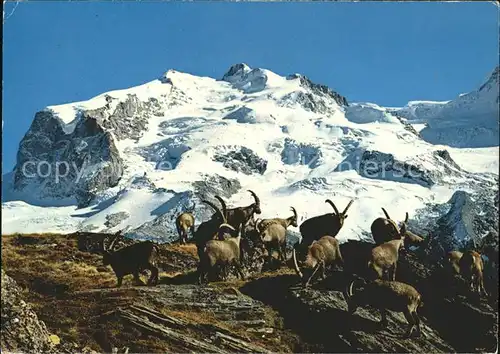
56,277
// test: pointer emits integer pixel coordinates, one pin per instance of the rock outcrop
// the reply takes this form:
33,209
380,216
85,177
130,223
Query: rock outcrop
22,331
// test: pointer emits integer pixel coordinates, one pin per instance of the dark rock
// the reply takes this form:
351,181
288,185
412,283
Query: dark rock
318,89
78,164
242,160
114,219
299,153
22,331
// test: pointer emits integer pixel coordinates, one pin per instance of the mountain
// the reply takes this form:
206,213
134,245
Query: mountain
135,158
469,121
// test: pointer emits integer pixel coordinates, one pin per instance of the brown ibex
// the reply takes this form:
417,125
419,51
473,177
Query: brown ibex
274,238
320,254
285,222
384,257
184,222
387,295
386,229
133,260
241,215
221,253
470,265
321,225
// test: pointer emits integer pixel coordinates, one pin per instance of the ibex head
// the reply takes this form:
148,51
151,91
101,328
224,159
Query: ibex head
352,292
341,216
108,251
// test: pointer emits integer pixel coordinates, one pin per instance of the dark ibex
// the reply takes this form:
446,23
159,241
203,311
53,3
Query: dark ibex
241,215
385,229
326,224
387,295
133,260
184,222
221,253
320,254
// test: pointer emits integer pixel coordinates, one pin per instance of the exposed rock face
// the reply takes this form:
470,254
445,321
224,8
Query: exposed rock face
318,89
381,165
243,115
129,119
299,153
167,153
242,160
216,184
22,331
465,221
235,72
59,164
114,219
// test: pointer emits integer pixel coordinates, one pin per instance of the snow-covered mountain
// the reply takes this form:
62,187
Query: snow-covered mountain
135,158
469,121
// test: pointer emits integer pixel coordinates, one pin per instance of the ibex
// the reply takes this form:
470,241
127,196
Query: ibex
384,257
274,238
184,222
292,220
387,295
241,215
208,230
385,229
273,233
320,254
133,260
326,224
221,253
470,265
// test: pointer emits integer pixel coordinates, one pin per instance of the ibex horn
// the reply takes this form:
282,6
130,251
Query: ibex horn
386,214
348,206
217,210
333,206
113,241
257,200
224,206
295,265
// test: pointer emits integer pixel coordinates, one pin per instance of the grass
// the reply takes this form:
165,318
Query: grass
56,278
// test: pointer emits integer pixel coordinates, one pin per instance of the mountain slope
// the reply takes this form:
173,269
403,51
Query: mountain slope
135,158
468,121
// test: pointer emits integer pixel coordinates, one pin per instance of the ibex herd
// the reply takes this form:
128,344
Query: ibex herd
221,241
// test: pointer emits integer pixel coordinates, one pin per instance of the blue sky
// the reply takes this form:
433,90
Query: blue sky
387,53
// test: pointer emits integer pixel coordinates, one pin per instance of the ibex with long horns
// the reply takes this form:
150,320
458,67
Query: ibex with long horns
241,215
208,230
385,229
321,225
